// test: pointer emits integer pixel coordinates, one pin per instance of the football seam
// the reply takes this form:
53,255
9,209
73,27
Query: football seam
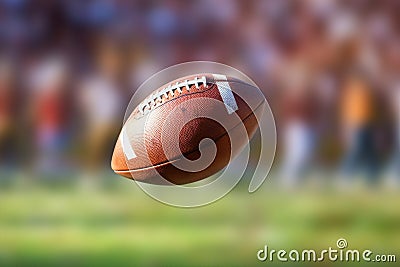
192,151
171,100
193,93
183,83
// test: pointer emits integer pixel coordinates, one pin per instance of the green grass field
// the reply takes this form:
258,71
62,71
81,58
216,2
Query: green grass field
115,223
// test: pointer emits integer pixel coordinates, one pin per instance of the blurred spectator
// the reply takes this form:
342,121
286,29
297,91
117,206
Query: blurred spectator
357,109
394,165
392,61
397,106
7,114
49,112
101,103
298,123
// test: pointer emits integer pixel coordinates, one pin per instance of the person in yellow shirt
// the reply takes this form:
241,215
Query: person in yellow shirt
357,109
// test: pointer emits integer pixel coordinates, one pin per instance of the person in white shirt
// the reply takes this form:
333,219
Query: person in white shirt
394,164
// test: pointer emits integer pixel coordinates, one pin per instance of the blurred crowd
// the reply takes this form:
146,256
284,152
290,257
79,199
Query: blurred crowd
329,69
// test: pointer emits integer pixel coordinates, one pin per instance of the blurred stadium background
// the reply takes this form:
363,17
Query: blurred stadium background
329,69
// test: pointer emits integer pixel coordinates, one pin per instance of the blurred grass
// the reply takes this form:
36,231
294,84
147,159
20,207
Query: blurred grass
115,223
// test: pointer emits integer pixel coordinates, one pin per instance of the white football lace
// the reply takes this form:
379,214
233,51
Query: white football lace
155,99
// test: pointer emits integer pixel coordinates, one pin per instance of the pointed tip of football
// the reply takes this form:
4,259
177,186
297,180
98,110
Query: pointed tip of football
118,161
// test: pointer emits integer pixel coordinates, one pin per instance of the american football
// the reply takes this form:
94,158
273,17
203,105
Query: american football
140,152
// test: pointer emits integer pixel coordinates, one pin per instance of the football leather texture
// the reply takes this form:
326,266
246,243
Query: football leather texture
141,149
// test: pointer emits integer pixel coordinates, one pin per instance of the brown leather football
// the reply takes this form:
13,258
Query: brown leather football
180,114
